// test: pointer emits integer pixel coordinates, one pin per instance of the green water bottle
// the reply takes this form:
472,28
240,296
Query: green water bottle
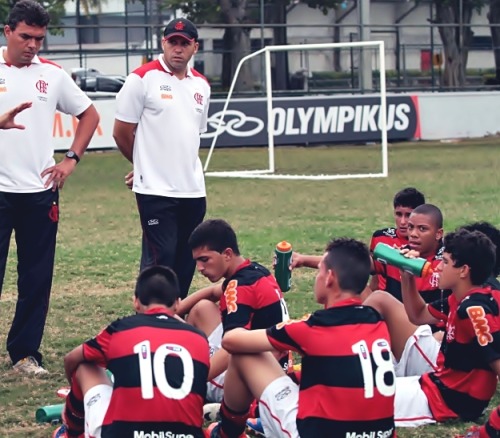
49,414
392,256
282,261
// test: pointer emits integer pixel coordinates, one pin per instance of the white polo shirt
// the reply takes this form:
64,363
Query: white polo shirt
170,113
24,154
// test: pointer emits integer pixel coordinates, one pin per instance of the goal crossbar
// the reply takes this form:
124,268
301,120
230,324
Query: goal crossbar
269,173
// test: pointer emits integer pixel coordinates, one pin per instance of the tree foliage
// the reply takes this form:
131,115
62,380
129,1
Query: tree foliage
55,9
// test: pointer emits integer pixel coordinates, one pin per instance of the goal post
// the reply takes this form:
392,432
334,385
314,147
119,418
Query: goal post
269,172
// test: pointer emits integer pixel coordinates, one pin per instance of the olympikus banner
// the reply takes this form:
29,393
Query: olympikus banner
313,120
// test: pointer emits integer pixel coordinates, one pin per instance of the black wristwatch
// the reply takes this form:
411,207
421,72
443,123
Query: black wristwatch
71,154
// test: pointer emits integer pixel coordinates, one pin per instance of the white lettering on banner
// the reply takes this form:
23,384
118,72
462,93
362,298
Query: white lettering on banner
304,117
290,130
279,119
346,115
369,123
402,121
324,120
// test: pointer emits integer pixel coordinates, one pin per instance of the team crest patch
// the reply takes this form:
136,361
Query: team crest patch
198,98
480,324
434,281
231,295
42,86
390,232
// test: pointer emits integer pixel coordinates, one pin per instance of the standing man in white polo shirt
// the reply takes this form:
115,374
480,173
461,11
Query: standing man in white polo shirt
29,178
161,111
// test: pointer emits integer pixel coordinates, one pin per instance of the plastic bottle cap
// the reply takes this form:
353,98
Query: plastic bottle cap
284,246
426,269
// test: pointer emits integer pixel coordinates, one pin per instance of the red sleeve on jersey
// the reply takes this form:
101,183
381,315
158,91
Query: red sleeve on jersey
149,66
287,335
95,349
242,305
197,73
47,61
237,305
482,312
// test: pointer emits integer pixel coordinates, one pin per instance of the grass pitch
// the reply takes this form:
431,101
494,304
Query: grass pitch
99,238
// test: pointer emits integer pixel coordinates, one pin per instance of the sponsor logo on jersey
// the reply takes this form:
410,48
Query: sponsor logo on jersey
372,434
231,295
390,232
153,222
166,96
3,89
292,321
480,324
165,88
161,434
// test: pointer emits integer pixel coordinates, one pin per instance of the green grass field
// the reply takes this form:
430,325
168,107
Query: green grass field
99,239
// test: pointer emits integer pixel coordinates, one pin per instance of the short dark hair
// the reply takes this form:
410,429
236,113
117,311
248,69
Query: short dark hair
216,235
350,259
431,211
29,11
408,197
494,235
157,285
474,249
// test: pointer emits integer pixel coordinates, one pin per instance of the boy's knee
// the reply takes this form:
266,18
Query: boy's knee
204,315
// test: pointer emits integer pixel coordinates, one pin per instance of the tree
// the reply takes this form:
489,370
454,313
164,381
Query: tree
55,9
456,36
242,16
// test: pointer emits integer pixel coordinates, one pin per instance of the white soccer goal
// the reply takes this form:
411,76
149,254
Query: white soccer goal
269,173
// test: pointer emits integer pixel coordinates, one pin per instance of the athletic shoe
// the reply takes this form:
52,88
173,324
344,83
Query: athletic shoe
255,426
62,432
29,365
211,412
213,431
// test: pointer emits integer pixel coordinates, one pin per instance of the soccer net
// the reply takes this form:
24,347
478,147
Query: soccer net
269,169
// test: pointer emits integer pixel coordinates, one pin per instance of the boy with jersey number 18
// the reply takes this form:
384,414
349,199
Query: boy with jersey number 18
343,347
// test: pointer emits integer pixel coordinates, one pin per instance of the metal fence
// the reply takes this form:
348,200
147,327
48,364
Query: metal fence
414,54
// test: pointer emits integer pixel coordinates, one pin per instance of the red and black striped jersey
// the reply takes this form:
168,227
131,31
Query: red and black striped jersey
464,382
390,237
160,369
347,382
252,299
428,286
